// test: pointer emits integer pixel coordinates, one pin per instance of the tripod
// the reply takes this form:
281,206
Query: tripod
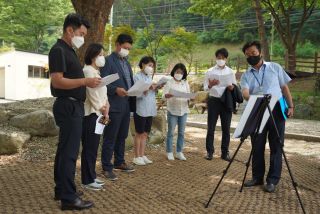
252,128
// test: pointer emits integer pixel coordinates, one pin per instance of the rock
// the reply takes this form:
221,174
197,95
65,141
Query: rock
156,137
201,97
303,111
196,86
12,141
4,115
160,122
37,123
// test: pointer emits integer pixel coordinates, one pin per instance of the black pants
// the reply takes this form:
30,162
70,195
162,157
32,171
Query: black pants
90,145
68,115
114,138
216,108
258,146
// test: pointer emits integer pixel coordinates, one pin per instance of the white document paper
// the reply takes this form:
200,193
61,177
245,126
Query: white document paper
108,79
99,126
246,113
138,88
225,80
180,94
163,80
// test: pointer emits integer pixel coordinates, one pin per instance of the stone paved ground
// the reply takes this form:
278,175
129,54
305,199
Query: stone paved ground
167,187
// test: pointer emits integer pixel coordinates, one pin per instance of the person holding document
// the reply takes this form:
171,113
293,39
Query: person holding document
146,108
68,85
267,78
96,104
216,107
121,105
177,108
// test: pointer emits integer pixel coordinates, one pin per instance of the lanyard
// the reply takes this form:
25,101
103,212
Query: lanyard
260,84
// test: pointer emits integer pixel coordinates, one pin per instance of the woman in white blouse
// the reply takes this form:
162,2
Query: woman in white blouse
96,104
177,109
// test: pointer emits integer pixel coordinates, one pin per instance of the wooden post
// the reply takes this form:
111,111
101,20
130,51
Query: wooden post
238,64
286,63
315,62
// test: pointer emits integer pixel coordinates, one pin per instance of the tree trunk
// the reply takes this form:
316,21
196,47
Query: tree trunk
262,30
97,13
291,59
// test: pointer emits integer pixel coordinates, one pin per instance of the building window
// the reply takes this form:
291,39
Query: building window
37,72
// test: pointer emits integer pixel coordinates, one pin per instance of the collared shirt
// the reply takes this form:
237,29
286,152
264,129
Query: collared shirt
96,97
62,58
125,67
270,78
217,91
146,104
177,106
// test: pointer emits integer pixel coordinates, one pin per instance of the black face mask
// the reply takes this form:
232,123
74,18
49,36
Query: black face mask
253,60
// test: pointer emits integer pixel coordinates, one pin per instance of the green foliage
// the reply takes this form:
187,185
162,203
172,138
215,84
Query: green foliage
218,37
181,44
306,49
29,23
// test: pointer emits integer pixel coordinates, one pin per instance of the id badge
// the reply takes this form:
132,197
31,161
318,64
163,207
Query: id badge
258,90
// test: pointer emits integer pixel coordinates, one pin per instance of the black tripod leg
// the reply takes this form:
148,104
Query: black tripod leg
292,179
286,160
247,167
224,173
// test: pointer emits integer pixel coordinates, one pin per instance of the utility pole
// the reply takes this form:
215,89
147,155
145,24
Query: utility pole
111,24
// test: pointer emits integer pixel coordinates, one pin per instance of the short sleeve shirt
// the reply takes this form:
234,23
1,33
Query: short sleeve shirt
63,58
270,78
146,104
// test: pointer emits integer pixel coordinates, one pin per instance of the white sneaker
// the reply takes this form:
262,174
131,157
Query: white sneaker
93,186
180,156
170,156
146,160
139,161
98,181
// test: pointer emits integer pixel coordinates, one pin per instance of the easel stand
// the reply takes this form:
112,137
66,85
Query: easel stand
252,128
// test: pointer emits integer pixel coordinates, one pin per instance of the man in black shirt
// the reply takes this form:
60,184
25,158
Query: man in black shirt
68,85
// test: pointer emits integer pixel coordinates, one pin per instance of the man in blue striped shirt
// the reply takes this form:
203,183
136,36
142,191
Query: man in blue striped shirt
266,78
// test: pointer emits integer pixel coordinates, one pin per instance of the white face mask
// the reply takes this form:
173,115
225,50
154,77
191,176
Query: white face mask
124,52
77,41
178,76
100,61
148,70
221,62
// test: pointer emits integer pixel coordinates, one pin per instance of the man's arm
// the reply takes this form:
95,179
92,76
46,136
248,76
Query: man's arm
245,94
287,94
59,82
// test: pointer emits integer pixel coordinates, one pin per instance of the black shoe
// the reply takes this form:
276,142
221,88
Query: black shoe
253,182
110,175
269,188
58,198
124,168
226,157
77,204
209,156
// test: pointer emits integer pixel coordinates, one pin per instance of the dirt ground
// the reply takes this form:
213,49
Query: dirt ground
26,182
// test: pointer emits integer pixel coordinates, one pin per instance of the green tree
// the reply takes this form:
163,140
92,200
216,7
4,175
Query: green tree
30,24
181,44
231,10
288,30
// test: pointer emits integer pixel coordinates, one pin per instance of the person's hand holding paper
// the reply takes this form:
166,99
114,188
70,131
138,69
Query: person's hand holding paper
139,88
